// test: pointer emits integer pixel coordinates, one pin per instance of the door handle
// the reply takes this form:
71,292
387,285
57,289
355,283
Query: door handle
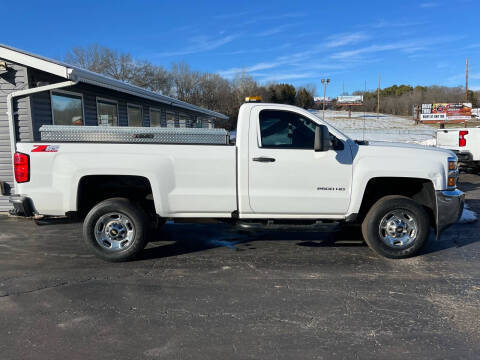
263,159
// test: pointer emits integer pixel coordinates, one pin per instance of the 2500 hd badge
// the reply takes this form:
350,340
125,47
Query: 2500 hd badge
330,188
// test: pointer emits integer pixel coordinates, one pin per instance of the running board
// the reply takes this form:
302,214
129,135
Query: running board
271,225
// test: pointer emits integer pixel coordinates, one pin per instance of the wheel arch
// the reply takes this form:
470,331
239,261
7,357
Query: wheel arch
92,189
420,190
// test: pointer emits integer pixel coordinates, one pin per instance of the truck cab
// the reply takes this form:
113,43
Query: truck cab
281,174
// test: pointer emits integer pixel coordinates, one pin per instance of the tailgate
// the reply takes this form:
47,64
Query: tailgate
448,139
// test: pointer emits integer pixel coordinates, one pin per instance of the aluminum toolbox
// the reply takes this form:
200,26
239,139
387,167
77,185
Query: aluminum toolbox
142,135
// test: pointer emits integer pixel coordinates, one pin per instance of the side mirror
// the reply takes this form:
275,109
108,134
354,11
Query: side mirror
322,138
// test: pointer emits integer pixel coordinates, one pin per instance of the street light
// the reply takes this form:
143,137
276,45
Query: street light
325,83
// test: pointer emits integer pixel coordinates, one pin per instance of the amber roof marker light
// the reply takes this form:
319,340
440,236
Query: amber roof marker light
253,99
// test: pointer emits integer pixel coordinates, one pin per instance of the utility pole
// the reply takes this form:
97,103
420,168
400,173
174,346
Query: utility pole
325,83
466,82
364,114
343,87
378,96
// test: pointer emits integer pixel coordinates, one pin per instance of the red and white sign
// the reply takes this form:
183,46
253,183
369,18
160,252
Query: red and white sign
446,111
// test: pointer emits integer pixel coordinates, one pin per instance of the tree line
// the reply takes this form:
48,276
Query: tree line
399,99
208,90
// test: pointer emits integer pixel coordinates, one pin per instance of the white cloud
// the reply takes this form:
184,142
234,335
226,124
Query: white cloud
345,39
411,47
273,31
381,24
201,44
256,50
259,66
287,76
368,50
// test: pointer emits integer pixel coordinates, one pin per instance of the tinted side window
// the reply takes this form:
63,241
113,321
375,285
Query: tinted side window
286,129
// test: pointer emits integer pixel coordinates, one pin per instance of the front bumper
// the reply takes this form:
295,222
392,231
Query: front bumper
449,208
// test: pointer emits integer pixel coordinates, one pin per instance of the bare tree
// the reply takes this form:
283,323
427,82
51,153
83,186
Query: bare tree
152,77
121,66
186,82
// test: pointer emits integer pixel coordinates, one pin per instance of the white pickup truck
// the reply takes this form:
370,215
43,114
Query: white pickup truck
464,142
288,169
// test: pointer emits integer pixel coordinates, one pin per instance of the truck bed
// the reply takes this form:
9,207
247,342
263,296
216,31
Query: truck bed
186,180
463,141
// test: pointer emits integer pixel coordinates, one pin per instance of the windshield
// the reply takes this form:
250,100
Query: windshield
331,126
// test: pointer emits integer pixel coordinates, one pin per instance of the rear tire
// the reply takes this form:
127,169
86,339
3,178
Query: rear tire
396,227
116,230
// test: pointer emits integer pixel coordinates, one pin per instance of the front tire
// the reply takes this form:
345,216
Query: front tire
396,227
116,230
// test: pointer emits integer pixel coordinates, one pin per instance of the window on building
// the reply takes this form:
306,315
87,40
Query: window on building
184,121
67,109
107,112
170,119
286,129
202,122
134,115
206,123
155,118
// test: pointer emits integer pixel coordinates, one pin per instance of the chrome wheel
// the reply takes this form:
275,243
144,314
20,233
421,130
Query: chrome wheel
398,229
114,231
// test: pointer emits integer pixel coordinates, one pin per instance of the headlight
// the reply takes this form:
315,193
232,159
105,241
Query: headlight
452,165
452,173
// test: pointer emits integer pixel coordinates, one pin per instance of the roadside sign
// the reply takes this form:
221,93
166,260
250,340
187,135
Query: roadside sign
350,100
446,112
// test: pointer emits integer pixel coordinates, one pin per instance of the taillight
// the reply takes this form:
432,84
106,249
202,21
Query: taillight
461,138
21,165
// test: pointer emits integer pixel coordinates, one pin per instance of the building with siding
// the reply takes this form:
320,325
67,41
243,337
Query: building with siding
81,97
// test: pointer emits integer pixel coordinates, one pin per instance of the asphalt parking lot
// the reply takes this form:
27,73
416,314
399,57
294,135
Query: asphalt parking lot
204,294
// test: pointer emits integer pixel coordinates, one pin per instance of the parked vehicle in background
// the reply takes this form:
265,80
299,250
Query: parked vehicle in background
476,113
287,170
464,142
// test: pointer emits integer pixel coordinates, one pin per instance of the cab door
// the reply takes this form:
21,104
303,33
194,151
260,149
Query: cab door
286,175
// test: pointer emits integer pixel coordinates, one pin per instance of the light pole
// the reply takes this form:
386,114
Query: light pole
325,83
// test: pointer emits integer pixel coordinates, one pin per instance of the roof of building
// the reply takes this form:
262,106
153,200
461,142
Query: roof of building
74,73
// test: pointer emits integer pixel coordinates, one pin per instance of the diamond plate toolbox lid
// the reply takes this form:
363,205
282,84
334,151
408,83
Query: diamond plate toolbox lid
142,135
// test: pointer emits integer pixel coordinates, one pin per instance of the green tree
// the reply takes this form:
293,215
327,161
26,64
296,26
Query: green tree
282,93
304,98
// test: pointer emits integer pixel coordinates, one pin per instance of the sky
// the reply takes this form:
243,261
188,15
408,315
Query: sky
299,42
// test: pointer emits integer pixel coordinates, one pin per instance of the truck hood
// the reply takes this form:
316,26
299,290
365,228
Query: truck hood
387,159
399,145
